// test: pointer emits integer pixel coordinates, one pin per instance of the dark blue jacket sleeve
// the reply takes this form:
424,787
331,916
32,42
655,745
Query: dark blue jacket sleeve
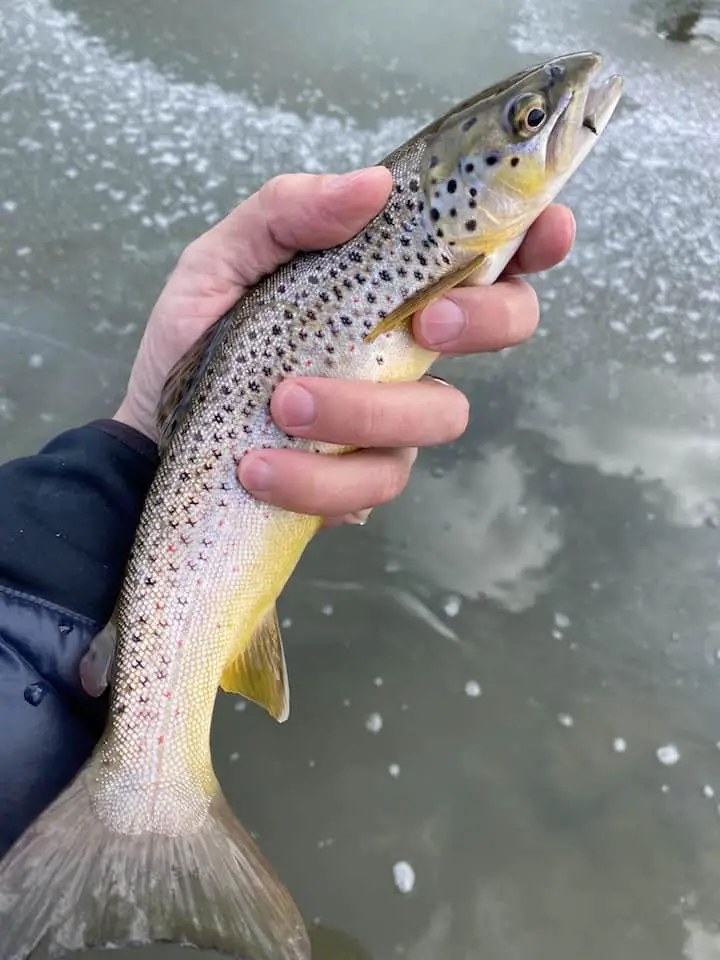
67,519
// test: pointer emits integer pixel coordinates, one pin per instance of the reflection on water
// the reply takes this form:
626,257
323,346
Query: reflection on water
682,21
487,678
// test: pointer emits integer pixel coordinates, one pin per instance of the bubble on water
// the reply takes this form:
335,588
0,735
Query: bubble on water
669,357
35,361
346,702
234,757
392,566
668,755
404,876
452,606
35,693
287,622
378,681
619,745
374,723
558,634
394,770
240,705
665,788
328,609
473,688
325,843
9,205
23,251
562,621
565,720
311,763
708,791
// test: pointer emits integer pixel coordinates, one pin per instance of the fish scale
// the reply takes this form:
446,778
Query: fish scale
142,846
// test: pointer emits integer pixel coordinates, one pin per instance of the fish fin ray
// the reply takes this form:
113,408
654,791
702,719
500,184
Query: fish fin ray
72,883
184,378
96,666
259,672
401,317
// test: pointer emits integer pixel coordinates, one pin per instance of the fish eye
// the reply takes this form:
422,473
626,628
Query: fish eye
527,114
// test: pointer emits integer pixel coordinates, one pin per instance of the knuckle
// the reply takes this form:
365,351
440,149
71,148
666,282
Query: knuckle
522,312
392,479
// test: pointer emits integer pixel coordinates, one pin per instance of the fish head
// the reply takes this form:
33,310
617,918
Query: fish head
495,162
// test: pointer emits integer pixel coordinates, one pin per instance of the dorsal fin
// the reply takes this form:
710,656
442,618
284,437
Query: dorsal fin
184,378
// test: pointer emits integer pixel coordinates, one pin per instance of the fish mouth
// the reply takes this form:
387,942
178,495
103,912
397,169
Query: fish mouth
601,99
590,103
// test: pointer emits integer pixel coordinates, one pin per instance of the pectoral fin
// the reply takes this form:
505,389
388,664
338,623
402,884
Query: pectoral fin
258,671
401,318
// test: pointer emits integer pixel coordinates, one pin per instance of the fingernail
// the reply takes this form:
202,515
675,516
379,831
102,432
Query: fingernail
442,323
255,475
343,180
359,518
297,407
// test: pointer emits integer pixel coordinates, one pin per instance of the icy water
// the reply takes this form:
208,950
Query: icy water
505,728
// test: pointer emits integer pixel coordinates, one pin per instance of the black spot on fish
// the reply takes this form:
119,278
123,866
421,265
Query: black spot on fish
452,186
469,123
385,275
469,167
434,161
470,225
453,212
472,204
440,232
514,161
434,214
491,159
472,191
414,185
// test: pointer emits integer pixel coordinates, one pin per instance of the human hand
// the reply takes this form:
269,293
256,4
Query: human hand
388,422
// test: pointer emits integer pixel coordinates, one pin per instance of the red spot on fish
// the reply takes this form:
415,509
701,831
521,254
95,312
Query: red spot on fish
356,299
388,297
198,581
220,523
168,694
308,363
171,548
266,516
352,348
161,741
159,606
179,644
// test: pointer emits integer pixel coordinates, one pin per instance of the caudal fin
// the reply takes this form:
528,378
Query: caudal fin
70,883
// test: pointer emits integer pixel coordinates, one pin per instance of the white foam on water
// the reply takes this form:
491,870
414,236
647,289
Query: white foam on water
565,720
404,876
374,723
93,109
473,689
668,755
619,745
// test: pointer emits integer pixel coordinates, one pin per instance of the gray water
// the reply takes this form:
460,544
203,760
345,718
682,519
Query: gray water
561,560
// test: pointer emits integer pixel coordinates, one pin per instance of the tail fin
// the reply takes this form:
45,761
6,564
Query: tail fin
70,883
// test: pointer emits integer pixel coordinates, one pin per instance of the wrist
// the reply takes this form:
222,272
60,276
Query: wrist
126,414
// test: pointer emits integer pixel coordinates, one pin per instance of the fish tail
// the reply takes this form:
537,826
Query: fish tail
72,883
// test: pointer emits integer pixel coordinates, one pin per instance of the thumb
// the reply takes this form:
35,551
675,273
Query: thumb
289,213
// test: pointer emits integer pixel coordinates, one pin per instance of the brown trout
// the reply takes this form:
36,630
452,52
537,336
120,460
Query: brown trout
142,846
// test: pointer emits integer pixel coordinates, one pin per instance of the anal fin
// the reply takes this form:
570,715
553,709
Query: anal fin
258,671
